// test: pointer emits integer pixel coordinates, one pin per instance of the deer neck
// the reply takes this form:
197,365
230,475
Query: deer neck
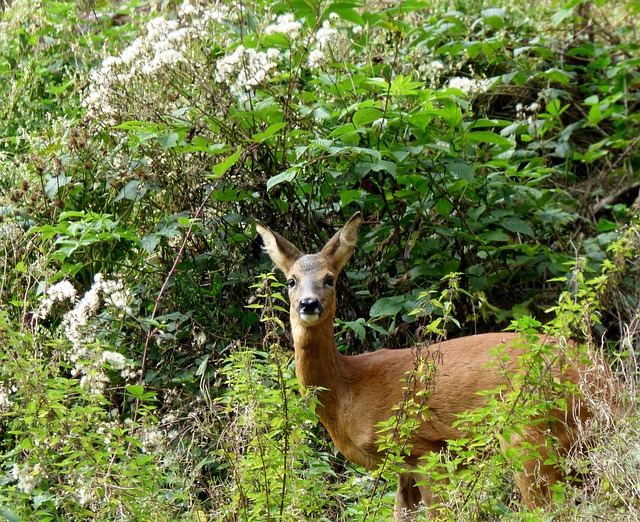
319,364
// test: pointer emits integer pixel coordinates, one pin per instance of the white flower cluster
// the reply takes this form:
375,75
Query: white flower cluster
153,440
327,34
5,402
11,231
116,360
187,9
285,24
28,477
132,82
525,112
86,496
380,123
76,322
200,16
161,48
326,37
166,40
246,68
470,86
82,334
525,115
431,69
94,380
86,353
60,292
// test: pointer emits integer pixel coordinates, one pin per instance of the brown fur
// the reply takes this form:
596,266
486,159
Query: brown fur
359,392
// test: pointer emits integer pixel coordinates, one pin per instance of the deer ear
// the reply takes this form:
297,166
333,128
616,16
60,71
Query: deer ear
341,246
281,252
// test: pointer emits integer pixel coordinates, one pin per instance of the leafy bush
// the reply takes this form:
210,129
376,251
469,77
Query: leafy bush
491,148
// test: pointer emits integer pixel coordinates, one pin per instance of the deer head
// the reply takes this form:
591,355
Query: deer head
311,278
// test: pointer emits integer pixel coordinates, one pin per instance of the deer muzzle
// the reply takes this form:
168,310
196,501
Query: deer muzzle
309,309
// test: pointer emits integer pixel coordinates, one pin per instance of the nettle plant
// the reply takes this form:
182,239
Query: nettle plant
80,435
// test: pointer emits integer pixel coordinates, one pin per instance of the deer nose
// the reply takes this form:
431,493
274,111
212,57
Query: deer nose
310,305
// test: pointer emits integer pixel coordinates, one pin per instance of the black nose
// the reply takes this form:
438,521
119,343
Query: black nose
310,305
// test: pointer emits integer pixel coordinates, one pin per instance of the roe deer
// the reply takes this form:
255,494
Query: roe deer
359,392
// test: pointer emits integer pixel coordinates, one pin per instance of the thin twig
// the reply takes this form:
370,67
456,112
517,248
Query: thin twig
156,305
625,153
151,331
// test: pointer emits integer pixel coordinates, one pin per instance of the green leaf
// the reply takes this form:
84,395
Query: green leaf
495,236
404,86
132,191
555,108
202,368
349,196
364,167
168,141
556,75
381,83
494,17
221,168
150,242
358,328
595,114
366,116
387,306
8,515
286,176
227,194
139,126
135,390
564,149
604,225
516,225
561,15
444,207
346,11
422,119
451,114
462,171
271,130
489,137
54,184
59,89
199,144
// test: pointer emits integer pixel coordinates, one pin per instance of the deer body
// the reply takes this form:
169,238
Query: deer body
359,392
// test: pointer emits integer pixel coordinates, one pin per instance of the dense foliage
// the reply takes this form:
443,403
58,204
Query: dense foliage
145,368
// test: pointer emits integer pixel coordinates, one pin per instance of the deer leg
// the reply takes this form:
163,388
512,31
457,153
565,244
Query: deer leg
410,496
535,483
536,478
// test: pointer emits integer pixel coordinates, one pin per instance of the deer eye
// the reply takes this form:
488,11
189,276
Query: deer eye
291,283
329,280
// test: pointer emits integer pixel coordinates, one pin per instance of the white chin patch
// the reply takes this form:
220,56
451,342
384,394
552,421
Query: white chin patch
309,318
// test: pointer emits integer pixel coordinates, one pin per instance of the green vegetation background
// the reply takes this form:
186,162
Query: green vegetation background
145,368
